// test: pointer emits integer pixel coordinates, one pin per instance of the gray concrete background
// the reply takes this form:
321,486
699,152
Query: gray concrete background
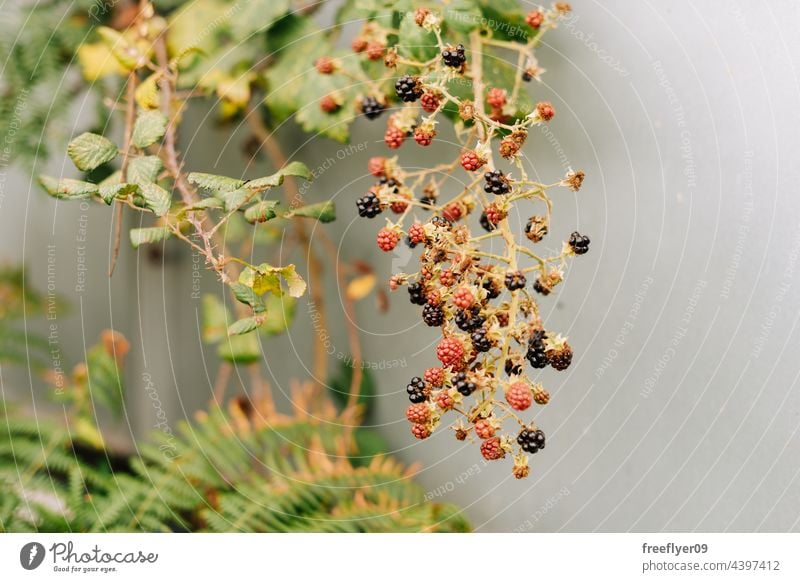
681,409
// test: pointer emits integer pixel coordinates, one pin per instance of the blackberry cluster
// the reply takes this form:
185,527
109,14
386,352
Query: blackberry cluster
416,390
368,205
492,287
408,88
454,57
496,183
480,341
531,440
515,280
536,355
416,293
371,107
485,224
432,315
469,319
464,386
539,288
579,243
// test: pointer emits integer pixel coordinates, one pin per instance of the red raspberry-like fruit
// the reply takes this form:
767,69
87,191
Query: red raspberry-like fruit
394,282
418,413
445,401
534,19
394,137
484,429
470,161
429,102
377,166
325,65
519,396
387,239
416,233
491,449
328,104
545,110
359,44
453,211
447,278
494,215
420,431
463,298
435,377
497,98
375,51
423,137
450,352
434,297
399,206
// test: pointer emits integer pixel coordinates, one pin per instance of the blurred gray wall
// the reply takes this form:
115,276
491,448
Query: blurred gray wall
681,410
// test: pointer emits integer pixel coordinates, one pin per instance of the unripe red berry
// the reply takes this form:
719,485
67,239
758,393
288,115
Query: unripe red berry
359,44
423,136
429,102
494,215
399,206
416,233
463,298
420,431
418,413
497,98
377,166
519,396
447,278
394,137
491,449
387,239
435,377
375,50
453,211
534,19
434,297
325,65
470,161
329,104
484,429
445,401
545,110
450,352
394,282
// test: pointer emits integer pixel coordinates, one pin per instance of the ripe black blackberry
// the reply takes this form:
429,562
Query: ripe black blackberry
515,280
416,390
441,222
527,76
368,206
512,368
531,441
454,57
417,294
469,319
536,354
464,386
480,341
496,183
371,107
408,88
492,287
485,224
539,288
432,315
579,243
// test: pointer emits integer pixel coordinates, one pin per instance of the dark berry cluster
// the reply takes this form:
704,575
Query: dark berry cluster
485,224
496,183
416,390
368,205
416,293
371,107
454,57
480,341
515,280
433,315
579,243
408,88
469,319
536,353
464,386
531,441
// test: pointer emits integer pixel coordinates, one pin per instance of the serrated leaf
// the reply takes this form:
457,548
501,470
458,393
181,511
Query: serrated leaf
244,325
214,183
279,315
125,51
110,192
141,236
147,94
245,294
67,188
298,169
144,169
322,211
235,198
149,128
89,150
261,211
263,281
215,319
204,204
155,198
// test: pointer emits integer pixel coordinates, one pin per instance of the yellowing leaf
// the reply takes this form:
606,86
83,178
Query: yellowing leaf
97,62
360,287
147,93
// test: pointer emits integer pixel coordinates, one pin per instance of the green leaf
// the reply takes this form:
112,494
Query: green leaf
110,192
67,188
149,128
240,349
215,319
257,16
144,170
415,41
298,169
156,198
245,294
89,150
322,211
141,236
233,199
204,204
369,443
214,183
243,326
261,212
280,313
